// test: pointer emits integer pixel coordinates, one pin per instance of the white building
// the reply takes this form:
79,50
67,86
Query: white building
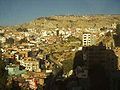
31,64
89,39
86,39
2,39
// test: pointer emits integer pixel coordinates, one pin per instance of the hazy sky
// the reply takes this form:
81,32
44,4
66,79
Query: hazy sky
20,11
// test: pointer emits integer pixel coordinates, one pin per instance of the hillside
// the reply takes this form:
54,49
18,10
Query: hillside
93,21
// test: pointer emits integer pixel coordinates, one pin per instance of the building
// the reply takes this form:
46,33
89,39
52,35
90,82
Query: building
2,39
30,64
94,55
88,39
32,83
81,72
38,76
14,69
115,81
92,67
101,62
117,52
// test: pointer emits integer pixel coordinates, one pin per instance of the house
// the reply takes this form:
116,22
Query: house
30,64
14,69
38,76
117,53
32,83
2,39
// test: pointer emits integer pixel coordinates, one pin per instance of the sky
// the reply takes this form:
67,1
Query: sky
14,12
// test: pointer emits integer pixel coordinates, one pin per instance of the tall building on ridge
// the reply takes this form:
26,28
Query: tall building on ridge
88,39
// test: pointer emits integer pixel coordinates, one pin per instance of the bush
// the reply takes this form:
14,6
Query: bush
67,65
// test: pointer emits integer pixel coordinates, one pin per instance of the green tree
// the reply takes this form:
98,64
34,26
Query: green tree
15,85
10,41
118,29
67,65
117,36
24,40
22,30
103,28
3,75
73,39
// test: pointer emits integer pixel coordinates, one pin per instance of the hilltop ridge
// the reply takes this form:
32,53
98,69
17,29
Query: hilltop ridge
93,21
71,21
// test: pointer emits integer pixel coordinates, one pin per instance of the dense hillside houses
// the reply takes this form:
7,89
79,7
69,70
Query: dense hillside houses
44,49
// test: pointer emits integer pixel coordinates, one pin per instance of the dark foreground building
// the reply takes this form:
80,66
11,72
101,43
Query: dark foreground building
94,68
100,63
